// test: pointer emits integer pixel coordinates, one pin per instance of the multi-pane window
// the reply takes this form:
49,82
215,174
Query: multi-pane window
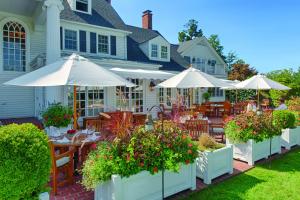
82,5
164,96
154,50
137,96
164,52
217,92
197,96
90,100
131,99
70,40
186,98
123,96
14,47
199,63
103,44
211,66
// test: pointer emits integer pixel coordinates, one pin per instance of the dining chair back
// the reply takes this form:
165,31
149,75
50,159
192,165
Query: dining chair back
61,162
196,127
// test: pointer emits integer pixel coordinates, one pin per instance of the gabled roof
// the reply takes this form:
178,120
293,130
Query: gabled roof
183,46
103,14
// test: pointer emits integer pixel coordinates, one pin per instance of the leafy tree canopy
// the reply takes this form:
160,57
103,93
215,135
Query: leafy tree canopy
216,44
241,71
190,32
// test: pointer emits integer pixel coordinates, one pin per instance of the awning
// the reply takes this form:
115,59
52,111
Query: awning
142,73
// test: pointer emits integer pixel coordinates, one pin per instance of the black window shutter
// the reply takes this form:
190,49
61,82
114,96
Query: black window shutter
82,41
61,37
188,59
113,45
93,43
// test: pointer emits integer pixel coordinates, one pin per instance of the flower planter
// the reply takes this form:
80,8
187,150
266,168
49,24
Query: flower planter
211,164
147,186
290,137
252,151
44,196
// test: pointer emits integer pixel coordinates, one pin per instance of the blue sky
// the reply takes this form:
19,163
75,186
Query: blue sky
265,33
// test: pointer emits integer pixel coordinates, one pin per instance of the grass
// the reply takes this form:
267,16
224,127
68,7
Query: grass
281,181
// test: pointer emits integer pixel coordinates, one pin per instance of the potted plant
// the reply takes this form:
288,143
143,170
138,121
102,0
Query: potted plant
57,118
214,159
206,96
252,135
117,170
25,162
285,119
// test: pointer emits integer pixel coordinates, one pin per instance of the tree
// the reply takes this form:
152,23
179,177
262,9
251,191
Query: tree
216,44
286,77
230,60
191,31
241,71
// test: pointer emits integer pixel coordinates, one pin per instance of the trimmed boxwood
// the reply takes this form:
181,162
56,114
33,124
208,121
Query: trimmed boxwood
284,119
24,161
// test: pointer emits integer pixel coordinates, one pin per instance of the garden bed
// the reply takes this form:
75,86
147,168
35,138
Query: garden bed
147,186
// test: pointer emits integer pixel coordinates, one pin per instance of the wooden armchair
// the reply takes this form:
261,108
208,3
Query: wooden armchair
61,163
196,127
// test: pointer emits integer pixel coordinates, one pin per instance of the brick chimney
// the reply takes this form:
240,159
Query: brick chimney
109,1
147,19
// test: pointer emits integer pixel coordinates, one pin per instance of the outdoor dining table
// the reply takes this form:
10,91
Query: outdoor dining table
82,139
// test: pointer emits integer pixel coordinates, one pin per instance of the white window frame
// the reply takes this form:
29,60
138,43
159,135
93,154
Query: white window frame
64,39
152,50
27,38
89,6
108,44
164,54
165,96
217,92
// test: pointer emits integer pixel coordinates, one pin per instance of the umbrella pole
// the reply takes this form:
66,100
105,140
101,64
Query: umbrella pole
258,104
74,108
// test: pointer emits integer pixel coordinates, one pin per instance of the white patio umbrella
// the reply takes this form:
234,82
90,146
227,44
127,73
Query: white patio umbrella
192,78
260,82
74,71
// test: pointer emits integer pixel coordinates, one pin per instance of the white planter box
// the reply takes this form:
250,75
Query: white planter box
211,164
252,151
146,186
44,196
290,137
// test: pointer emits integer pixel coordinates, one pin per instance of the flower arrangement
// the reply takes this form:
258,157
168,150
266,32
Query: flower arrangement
144,151
57,115
251,126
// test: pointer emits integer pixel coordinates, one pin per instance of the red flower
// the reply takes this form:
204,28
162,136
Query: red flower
155,169
190,151
94,146
187,162
190,145
142,164
184,137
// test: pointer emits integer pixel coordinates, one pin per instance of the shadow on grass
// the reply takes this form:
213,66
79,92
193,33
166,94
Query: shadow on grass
287,162
234,188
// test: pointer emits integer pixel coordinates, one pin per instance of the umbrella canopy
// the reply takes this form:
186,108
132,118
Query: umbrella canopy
72,70
192,78
260,82
231,84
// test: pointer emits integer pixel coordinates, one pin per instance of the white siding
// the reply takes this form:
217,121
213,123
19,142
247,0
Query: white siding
150,98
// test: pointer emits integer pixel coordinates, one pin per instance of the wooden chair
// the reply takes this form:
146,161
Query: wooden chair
196,127
61,163
94,123
139,119
225,110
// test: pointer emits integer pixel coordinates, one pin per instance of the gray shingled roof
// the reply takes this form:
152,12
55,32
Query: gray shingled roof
103,14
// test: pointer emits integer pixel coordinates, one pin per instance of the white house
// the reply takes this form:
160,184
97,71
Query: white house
36,32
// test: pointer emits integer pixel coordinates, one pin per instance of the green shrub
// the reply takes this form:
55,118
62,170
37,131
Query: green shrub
144,150
24,161
206,96
57,115
250,125
284,119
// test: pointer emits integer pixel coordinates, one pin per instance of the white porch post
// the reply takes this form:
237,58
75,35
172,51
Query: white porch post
53,9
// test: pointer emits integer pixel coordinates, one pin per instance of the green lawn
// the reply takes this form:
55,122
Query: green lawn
281,181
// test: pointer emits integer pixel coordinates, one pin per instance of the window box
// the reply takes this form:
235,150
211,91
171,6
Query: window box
252,151
146,186
290,137
212,164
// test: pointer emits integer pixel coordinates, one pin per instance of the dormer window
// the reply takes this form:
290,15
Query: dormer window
164,52
84,6
154,51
